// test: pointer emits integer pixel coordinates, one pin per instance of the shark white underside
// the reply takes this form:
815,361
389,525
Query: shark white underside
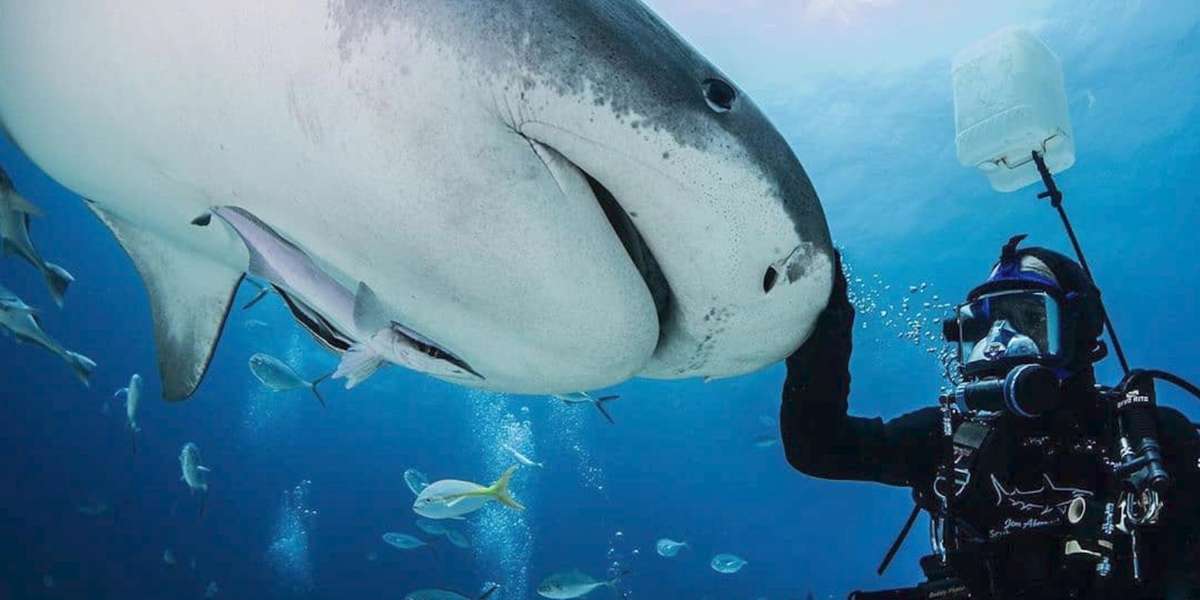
445,153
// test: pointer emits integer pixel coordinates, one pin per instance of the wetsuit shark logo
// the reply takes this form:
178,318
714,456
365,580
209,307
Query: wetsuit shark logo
1041,501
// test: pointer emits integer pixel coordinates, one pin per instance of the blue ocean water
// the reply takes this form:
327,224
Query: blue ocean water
300,495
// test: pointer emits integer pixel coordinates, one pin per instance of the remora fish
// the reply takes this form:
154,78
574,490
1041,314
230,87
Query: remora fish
15,212
355,324
552,144
133,397
279,377
572,584
20,320
585,398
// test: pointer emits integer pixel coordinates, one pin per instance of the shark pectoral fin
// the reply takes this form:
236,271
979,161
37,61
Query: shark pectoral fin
358,363
20,204
190,296
370,315
203,469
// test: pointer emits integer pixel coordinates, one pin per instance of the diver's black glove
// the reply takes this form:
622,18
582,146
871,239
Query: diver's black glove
819,371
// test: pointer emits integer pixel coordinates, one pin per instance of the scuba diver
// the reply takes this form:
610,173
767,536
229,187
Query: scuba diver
1039,483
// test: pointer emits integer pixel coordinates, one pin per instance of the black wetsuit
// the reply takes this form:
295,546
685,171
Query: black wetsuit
1011,514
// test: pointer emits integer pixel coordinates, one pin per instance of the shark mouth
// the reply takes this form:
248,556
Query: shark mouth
564,170
635,246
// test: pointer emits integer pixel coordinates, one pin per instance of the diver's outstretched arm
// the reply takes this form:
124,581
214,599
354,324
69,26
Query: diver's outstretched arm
820,439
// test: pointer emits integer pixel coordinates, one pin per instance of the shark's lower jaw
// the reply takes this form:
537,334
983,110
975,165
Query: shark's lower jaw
561,166
635,245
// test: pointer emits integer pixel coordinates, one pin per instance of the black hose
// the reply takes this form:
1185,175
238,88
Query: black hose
899,541
1056,197
1182,383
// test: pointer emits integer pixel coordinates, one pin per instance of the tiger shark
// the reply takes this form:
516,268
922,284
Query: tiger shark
560,194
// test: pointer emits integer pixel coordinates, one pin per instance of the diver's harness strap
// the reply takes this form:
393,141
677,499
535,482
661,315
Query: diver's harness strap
965,439
1132,498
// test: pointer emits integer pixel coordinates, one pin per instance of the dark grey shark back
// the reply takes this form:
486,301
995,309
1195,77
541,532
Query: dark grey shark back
635,64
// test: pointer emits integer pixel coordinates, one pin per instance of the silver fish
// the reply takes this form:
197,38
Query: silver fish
585,398
194,474
20,320
416,481
279,377
727,563
402,541
133,397
572,584
448,595
521,458
669,548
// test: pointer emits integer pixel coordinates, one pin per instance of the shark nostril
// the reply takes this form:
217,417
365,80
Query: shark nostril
719,95
769,279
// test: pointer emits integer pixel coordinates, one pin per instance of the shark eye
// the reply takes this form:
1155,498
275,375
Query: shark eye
719,95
